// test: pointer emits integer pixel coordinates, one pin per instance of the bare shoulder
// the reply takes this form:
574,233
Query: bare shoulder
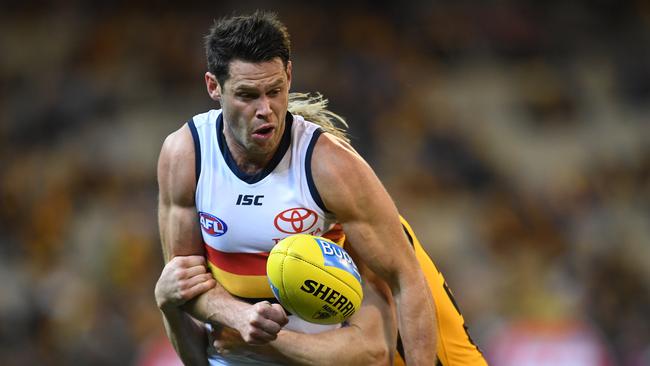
343,178
335,161
176,171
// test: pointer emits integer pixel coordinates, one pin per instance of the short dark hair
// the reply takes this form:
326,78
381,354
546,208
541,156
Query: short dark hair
255,38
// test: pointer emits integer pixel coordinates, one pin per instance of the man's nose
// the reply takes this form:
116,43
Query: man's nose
264,108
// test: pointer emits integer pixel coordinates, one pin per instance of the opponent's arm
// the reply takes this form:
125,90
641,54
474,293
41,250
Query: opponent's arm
351,190
368,339
181,236
182,279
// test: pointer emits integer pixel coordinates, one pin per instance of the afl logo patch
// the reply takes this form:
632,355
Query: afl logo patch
295,220
212,225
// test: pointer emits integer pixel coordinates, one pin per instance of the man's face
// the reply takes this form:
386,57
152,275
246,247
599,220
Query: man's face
254,100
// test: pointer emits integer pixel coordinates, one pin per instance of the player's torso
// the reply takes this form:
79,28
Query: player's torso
242,217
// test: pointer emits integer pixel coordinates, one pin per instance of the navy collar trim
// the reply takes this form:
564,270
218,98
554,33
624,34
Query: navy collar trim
285,142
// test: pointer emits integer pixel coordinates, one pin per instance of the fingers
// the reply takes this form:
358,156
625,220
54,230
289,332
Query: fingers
199,284
258,336
184,267
264,323
273,312
279,315
196,280
187,266
182,279
188,272
186,261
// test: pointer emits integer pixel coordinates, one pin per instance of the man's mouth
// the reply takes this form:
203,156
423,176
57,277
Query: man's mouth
264,131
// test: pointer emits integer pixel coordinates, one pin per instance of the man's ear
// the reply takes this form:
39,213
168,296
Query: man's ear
289,66
213,87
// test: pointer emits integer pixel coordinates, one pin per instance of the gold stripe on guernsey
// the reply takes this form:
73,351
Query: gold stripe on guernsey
455,347
242,286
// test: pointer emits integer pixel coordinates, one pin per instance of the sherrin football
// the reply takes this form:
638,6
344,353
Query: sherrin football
314,278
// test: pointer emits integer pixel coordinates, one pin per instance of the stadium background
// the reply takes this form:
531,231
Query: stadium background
514,135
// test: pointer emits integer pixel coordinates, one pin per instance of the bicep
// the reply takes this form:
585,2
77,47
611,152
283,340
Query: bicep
351,190
177,216
179,231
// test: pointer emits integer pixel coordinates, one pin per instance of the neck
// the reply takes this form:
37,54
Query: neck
251,159
249,162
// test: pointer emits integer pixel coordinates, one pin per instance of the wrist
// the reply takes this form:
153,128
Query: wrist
236,321
164,302
168,308
227,313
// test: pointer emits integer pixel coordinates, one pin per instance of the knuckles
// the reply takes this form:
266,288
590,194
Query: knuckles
185,294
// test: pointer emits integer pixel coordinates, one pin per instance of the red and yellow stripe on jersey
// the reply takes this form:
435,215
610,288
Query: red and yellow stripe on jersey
241,274
455,346
244,274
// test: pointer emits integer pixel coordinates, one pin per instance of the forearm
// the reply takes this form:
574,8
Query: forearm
188,338
346,346
217,306
418,332
370,339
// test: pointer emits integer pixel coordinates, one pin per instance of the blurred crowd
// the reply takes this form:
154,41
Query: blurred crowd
513,135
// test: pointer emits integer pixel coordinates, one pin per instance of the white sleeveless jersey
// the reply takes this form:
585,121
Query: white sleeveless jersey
243,216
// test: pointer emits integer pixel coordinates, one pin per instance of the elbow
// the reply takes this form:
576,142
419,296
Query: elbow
407,278
377,355
380,356
402,274
370,349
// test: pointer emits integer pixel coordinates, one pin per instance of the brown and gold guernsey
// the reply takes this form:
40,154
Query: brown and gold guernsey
455,346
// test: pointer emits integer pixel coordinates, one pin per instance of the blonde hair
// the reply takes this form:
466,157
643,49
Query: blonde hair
313,108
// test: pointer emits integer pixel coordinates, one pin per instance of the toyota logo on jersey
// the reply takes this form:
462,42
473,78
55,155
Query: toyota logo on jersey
295,220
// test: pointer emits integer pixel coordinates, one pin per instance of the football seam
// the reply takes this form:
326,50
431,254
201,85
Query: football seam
330,273
284,287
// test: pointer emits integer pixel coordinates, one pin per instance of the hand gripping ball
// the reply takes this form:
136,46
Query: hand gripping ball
314,279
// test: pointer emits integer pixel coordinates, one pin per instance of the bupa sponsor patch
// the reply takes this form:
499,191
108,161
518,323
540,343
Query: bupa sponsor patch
336,256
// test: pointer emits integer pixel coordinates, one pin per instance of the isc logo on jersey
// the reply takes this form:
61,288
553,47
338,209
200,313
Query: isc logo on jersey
212,225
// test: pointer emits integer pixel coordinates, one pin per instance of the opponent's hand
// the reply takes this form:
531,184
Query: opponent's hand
181,280
226,340
261,323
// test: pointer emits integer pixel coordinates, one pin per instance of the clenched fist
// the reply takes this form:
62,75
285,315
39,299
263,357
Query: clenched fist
261,322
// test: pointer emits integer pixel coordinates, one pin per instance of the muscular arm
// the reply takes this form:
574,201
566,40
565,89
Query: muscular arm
350,189
369,339
180,236
182,279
